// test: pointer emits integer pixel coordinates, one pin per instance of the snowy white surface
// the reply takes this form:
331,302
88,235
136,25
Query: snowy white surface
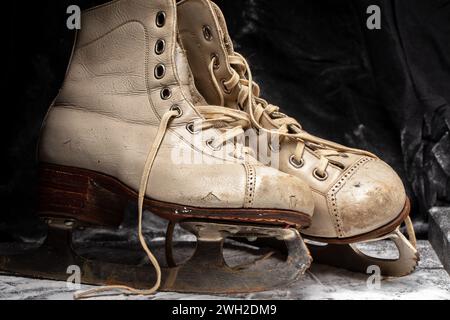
429,281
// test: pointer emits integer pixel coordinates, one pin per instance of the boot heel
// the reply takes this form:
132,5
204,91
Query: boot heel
80,195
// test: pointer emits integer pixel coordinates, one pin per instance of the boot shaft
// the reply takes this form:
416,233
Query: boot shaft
126,73
124,63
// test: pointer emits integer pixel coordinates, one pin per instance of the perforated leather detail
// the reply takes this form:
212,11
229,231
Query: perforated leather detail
250,186
332,195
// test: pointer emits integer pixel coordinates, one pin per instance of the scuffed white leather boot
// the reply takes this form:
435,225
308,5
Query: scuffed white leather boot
116,133
358,197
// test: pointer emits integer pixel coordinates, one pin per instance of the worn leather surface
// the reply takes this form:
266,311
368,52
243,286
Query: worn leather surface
193,16
360,193
383,90
106,116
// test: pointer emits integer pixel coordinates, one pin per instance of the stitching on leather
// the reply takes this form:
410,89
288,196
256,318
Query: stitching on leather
332,199
250,185
318,191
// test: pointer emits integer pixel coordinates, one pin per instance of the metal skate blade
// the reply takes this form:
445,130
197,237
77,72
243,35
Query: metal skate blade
349,257
205,272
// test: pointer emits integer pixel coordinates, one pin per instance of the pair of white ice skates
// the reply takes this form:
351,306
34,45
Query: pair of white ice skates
154,109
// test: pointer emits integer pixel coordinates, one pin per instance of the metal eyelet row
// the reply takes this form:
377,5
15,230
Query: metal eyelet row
207,34
298,164
160,69
160,44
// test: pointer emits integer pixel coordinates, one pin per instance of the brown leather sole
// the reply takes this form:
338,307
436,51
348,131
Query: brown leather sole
388,228
98,199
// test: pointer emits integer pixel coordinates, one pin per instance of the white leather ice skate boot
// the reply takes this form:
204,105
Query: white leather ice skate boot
357,196
119,131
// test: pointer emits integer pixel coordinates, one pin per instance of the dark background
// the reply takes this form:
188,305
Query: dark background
387,91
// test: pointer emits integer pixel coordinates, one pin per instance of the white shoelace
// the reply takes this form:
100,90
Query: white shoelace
232,125
286,127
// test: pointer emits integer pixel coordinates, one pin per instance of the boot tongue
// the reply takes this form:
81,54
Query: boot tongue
203,35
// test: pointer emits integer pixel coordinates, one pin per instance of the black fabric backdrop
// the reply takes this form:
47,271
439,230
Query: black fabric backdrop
387,91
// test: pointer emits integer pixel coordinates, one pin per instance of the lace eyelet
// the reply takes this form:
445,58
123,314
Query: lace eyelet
215,57
166,93
296,164
190,128
209,144
160,19
177,108
207,33
224,87
160,46
318,176
160,71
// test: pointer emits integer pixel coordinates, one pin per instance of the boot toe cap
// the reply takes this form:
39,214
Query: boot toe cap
369,199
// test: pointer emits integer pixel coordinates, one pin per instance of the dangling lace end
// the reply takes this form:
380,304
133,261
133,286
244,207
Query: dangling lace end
91,293
142,189
410,231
